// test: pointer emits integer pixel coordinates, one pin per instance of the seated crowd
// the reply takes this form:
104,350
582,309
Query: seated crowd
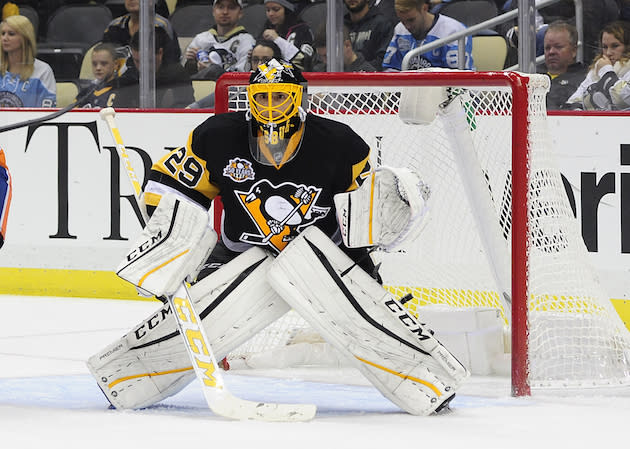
377,34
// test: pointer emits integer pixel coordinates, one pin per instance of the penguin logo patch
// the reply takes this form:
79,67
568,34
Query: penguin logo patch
239,170
279,212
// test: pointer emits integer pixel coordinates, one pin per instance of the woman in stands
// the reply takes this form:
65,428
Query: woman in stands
25,81
291,34
607,84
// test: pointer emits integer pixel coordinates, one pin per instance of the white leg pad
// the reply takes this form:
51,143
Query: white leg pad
150,362
365,323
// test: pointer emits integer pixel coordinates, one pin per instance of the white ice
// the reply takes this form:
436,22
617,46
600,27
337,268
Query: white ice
49,400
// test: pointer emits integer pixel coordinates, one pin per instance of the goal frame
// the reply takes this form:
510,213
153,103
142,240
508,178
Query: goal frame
518,85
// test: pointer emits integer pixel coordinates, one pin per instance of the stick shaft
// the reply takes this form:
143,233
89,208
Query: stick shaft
124,156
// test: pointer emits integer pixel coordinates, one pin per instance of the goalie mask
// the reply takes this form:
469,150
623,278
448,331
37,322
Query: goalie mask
275,94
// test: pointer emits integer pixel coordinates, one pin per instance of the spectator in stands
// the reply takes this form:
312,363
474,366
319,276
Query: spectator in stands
510,31
26,81
291,34
161,8
417,27
566,74
263,52
106,65
121,29
370,31
172,83
606,85
224,47
386,9
352,61
596,14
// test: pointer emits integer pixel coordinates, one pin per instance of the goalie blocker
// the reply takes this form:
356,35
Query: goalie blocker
176,241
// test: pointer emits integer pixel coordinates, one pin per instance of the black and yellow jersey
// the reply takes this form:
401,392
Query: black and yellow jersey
264,205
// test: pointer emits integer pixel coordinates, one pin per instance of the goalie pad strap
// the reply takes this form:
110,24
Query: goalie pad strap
366,324
175,242
150,362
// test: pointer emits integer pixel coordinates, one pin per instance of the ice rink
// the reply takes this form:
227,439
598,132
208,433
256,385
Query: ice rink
49,400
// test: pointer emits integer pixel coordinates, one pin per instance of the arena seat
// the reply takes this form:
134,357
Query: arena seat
489,52
253,19
190,20
66,93
471,12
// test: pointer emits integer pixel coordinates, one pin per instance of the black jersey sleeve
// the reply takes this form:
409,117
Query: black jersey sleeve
194,169
185,170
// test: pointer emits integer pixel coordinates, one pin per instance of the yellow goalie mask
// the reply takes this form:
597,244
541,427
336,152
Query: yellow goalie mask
275,94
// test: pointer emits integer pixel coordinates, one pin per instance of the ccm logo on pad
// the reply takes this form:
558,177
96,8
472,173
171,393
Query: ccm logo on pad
145,246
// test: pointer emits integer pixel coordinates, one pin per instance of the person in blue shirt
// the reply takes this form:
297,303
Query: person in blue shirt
418,27
24,81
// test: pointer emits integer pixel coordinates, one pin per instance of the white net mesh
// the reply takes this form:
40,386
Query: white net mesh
462,258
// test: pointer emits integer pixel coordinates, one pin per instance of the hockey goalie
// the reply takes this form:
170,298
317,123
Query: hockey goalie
302,205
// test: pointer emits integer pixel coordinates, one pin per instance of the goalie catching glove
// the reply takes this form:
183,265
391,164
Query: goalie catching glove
176,241
386,210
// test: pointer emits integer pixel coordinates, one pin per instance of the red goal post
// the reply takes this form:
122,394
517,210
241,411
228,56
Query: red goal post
497,100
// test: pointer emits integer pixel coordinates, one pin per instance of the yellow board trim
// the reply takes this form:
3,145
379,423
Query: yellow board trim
136,376
105,284
402,376
70,283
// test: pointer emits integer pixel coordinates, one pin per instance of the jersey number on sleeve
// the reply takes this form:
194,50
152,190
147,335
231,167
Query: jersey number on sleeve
186,170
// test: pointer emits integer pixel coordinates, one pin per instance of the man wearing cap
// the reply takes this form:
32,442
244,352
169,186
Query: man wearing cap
224,47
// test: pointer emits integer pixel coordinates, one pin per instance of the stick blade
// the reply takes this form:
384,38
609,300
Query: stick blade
229,406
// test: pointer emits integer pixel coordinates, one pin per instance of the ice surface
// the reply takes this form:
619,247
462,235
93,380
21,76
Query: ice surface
49,400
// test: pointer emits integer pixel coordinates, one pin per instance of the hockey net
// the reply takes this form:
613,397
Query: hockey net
501,232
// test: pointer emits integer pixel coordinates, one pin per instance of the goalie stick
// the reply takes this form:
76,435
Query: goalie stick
218,398
52,115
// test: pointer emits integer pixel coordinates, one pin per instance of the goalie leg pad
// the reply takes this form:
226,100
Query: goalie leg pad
387,209
150,362
175,242
366,323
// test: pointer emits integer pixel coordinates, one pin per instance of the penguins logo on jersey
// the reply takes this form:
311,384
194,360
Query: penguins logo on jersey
239,170
279,212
